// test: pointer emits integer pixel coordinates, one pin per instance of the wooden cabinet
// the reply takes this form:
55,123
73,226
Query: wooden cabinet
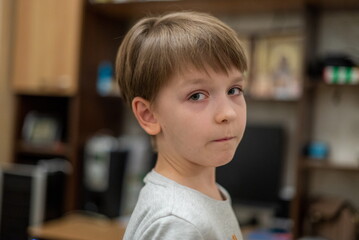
6,99
49,78
47,45
63,109
45,68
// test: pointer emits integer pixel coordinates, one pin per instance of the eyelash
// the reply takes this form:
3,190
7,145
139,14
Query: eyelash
194,96
240,90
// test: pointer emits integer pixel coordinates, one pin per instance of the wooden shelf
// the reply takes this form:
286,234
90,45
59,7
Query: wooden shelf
334,4
326,165
133,9
251,99
45,92
139,9
320,82
58,149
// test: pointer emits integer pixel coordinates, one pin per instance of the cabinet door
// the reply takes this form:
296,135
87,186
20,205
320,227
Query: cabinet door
47,37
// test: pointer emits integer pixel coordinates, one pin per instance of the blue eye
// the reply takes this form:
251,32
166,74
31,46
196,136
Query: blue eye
235,91
197,97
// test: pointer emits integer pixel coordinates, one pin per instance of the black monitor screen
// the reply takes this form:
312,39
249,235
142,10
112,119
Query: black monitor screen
254,175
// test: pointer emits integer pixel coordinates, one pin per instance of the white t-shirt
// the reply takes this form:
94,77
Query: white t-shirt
167,210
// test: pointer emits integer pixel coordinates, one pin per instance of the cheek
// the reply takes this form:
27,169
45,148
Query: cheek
188,130
185,134
243,119
243,115
243,123
175,128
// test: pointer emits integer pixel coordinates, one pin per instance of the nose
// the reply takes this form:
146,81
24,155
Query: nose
225,111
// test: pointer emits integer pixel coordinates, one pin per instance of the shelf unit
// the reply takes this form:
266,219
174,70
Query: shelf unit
59,149
45,79
306,120
59,107
63,107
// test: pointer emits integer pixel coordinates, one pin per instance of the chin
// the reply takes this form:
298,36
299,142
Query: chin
223,160
224,163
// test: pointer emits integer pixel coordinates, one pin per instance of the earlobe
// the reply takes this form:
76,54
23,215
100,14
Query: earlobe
145,116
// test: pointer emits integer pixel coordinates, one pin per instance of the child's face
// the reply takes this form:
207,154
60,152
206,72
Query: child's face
202,117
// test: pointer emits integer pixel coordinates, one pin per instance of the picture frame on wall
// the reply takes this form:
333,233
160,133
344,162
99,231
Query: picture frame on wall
277,67
41,129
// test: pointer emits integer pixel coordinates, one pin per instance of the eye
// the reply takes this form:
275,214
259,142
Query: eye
197,97
235,91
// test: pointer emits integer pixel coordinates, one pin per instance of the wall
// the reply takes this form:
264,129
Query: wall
6,97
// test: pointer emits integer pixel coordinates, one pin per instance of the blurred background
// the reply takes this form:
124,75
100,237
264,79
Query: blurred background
71,151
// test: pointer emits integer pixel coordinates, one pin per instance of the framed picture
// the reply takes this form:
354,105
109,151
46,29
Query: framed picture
41,129
277,67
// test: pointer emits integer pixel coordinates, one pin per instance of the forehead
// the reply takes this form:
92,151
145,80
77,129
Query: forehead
195,76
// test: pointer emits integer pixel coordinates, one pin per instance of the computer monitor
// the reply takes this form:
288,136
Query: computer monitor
254,175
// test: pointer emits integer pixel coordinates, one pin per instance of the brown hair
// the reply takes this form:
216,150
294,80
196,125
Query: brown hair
155,48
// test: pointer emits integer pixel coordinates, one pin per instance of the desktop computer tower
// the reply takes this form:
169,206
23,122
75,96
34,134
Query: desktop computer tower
30,195
106,199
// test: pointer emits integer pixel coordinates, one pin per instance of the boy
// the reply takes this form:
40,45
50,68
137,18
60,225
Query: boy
182,74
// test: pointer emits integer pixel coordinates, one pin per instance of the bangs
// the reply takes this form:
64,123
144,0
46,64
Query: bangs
218,54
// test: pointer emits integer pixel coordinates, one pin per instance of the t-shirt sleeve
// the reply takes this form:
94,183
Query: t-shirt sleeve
170,228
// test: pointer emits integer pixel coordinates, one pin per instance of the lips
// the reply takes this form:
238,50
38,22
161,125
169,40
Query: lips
225,139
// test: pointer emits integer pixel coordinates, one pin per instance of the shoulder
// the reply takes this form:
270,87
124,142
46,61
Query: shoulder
162,197
155,202
171,227
164,204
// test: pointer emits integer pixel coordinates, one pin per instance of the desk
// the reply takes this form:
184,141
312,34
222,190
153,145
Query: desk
78,227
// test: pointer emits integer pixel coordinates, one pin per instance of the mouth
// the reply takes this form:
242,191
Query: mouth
225,139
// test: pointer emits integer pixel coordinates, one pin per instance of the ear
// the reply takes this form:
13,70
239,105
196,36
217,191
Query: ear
145,116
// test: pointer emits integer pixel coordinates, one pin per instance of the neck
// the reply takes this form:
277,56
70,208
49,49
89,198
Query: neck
200,178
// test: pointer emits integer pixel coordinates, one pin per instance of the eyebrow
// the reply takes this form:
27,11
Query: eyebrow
238,79
196,81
